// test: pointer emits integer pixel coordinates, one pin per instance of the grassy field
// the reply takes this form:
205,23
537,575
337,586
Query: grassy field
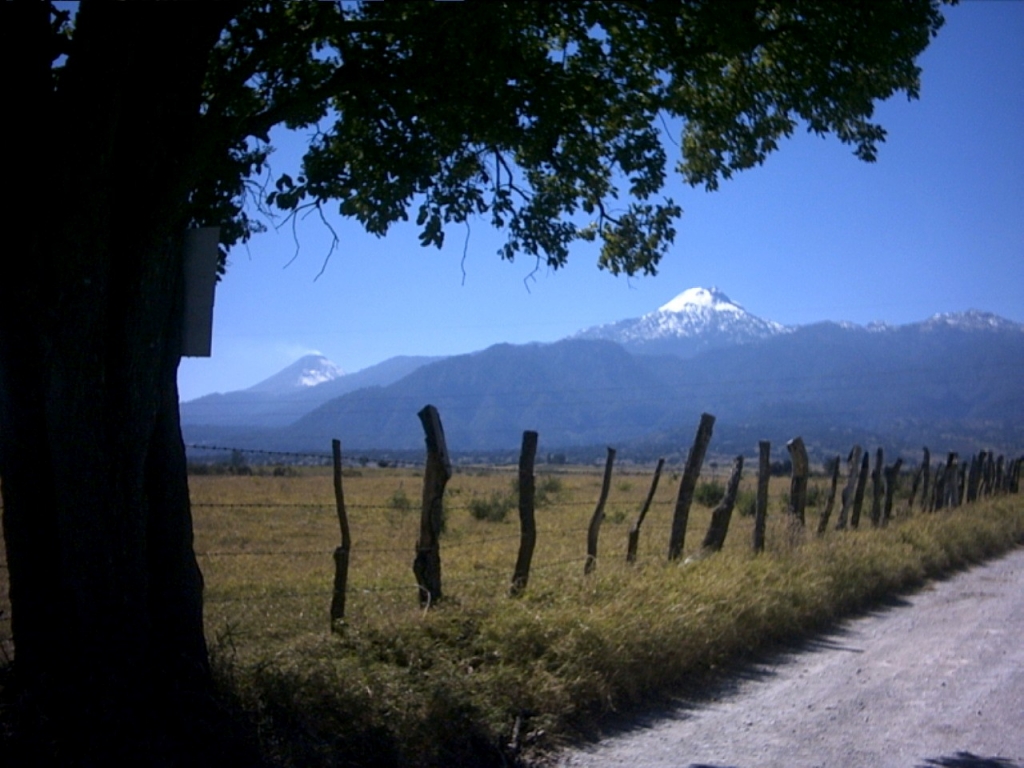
481,678
479,672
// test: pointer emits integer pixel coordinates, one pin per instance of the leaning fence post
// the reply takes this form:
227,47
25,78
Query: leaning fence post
763,476
634,530
827,511
798,483
427,565
722,514
858,494
688,484
527,524
598,516
892,476
853,467
342,552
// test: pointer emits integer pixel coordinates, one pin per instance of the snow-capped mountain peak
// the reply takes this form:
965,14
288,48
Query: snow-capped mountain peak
695,320
307,371
701,298
971,320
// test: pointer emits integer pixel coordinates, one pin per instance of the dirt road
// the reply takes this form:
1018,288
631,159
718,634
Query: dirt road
935,680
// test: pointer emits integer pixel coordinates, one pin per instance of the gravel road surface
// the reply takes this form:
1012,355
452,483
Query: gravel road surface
936,679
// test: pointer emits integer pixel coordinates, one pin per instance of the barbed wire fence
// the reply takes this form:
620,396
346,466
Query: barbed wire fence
955,483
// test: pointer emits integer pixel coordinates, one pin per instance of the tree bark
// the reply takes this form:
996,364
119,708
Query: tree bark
106,595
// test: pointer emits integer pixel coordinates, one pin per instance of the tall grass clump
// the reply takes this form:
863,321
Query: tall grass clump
481,677
494,507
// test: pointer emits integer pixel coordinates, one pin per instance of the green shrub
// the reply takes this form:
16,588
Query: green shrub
493,508
709,493
746,503
399,501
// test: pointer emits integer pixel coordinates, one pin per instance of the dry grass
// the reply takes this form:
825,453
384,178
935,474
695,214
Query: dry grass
401,685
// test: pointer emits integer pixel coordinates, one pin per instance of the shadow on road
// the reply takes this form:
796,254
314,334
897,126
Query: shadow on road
967,760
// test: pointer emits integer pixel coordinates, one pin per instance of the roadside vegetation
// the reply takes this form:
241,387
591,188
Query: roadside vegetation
481,678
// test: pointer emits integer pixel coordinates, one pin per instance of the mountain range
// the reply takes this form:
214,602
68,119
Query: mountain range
952,381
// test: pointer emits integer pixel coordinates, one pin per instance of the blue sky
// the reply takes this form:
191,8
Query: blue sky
936,225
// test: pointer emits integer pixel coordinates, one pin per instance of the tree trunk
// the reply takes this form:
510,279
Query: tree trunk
106,595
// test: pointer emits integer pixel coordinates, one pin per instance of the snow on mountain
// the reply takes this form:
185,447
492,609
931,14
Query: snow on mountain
971,320
695,320
308,371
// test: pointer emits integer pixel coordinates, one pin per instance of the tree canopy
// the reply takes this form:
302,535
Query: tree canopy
548,119
552,120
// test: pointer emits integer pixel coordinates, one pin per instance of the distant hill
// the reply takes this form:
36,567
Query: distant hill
952,381
289,394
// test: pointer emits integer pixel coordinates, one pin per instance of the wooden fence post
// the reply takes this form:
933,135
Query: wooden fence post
949,481
876,489
598,516
987,473
798,483
973,476
688,484
427,565
634,530
918,474
858,494
1000,464
827,511
892,478
939,488
926,465
763,476
527,524
853,467
342,552
722,514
